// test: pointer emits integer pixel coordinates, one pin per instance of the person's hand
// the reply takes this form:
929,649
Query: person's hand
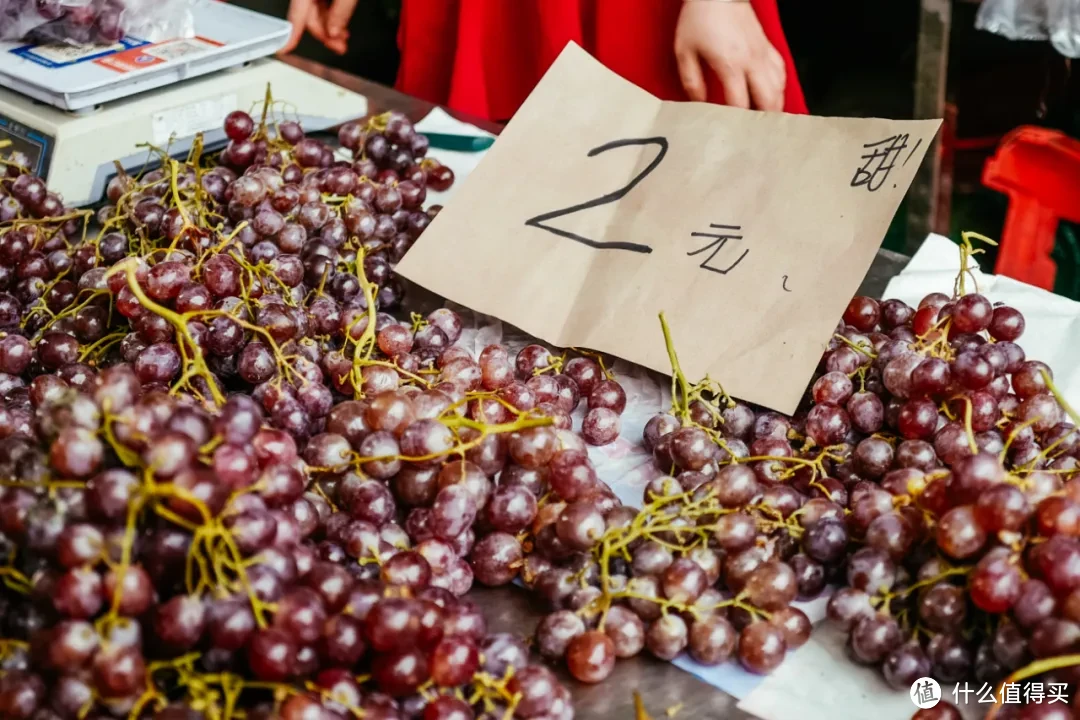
336,25
329,24
727,38
299,11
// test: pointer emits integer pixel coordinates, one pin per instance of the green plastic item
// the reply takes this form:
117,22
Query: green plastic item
1067,256
459,143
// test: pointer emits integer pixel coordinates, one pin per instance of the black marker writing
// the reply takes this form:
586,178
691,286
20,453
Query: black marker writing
611,197
917,145
879,161
719,240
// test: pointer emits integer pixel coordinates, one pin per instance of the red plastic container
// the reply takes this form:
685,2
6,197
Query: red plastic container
1039,170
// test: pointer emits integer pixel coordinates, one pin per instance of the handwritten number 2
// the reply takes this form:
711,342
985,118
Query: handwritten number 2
622,192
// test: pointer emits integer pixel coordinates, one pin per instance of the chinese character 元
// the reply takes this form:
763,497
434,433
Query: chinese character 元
1057,692
719,240
879,161
1010,693
957,691
1033,693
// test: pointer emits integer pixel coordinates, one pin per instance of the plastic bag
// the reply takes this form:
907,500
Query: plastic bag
95,21
1055,20
1064,27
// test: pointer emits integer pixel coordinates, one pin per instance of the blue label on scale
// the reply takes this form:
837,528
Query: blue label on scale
58,55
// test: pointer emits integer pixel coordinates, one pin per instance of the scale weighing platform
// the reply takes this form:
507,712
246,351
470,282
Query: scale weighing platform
74,110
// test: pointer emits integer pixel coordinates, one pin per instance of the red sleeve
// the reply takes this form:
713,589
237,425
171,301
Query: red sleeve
484,56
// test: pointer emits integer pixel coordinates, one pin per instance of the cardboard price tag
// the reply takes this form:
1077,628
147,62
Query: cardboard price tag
599,206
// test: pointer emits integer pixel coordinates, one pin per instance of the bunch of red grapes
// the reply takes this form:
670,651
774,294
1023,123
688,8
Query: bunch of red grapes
931,474
959,485
233,483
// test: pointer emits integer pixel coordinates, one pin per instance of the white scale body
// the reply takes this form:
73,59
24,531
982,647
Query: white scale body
75,110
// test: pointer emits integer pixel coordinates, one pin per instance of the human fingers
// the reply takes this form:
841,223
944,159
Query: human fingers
317,27
298,18
777,66
316,22
337,18
338,45
766,89
734,80
693,79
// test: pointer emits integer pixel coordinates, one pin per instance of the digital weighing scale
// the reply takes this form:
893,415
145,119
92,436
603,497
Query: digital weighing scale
74,110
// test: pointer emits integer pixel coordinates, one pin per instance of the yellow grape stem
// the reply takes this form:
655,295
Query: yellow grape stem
678,379
1069,410
179,323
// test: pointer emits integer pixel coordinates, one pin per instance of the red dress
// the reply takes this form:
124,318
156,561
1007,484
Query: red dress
483,57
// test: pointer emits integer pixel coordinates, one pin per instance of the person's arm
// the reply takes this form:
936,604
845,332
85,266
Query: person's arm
725,37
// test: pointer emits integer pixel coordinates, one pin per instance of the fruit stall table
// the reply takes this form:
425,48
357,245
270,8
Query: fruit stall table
661,685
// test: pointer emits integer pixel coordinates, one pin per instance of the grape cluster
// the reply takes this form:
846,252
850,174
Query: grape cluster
960,486
700,567
25,196
234,484
930,473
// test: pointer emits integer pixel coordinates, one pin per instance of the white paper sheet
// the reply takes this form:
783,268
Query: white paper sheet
819,682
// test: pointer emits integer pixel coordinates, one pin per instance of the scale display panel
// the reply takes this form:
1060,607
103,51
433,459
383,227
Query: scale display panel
35,145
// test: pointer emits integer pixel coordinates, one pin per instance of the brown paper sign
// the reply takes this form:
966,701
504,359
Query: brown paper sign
599,206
